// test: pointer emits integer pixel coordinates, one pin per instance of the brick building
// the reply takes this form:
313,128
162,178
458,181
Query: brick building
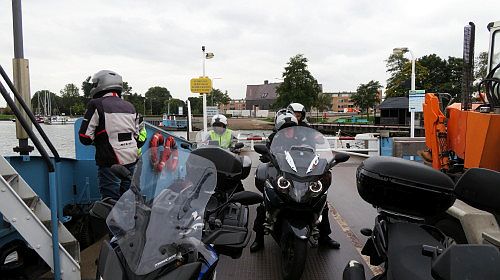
234,104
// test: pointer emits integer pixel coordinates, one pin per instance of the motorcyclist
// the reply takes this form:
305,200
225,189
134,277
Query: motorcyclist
324,227
220,133
300,113
283,119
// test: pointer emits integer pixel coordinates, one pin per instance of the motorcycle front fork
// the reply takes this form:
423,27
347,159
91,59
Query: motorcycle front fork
270,221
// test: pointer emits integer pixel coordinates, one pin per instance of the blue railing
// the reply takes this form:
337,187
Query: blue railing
54,197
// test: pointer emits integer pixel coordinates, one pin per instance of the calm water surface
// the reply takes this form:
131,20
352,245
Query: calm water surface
62,137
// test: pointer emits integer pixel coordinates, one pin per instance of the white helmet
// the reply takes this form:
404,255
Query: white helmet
219,119
285,120
298,108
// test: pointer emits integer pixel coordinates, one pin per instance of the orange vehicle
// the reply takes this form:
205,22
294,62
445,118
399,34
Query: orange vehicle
467,136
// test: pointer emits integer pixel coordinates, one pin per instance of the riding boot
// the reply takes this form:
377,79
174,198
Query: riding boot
258,243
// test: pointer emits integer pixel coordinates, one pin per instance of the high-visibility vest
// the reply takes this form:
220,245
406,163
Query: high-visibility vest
224,139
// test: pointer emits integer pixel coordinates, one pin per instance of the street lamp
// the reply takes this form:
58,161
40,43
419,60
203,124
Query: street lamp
204,57
412,112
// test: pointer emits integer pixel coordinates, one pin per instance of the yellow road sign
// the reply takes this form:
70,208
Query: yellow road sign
201,85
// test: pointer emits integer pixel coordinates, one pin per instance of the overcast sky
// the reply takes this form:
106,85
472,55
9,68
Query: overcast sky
158,43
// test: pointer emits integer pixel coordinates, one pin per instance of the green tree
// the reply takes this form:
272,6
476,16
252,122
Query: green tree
399,82
70,91
78,108
86,87
155,99
69,96
366,96
481,66
438,74
196,105
216,97
298,85
453,85
44,96
174,106
137,100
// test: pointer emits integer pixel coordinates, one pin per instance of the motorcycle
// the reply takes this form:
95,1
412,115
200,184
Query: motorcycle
161,226
228,223
294,178
406,195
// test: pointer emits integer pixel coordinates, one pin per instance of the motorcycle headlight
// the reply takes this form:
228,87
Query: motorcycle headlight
283,184
316,187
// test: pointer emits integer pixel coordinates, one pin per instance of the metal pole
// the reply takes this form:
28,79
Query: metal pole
204,95
21,75
190,127
412,112
17,19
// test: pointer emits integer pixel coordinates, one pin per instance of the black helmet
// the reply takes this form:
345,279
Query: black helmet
106,81
298,108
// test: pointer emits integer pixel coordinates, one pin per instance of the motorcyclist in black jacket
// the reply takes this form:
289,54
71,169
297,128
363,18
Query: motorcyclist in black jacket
284,119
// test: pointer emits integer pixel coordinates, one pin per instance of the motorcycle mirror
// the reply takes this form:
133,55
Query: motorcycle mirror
478,187
261,149
186,146
121,171
246,198
239,145
341,157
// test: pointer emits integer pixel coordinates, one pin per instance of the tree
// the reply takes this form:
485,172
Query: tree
216,97
366,96
481,66
399,82
174,106
155,99
69,91
137,100
453,85
78,108
86,87
45,95
438,74
196,105
126,89
69,96
298,84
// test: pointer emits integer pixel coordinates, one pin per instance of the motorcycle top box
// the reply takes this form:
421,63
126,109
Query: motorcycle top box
231,169
405,187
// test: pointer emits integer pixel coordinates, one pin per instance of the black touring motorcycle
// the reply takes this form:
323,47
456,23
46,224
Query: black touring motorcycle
172,224
407,194
295,181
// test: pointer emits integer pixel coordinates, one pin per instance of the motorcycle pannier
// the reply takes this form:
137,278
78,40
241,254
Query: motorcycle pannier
404,186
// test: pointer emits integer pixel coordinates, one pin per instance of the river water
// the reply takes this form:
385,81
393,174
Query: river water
62,137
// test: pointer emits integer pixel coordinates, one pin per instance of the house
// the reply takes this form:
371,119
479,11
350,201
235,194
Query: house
394,111
234,104
261,97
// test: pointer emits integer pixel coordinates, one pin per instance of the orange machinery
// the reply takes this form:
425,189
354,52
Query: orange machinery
470,136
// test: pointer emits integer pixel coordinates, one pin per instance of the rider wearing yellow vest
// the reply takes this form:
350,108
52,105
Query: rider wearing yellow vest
221,134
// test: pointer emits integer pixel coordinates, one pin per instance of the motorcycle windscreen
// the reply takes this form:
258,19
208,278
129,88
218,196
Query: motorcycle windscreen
165,219
301,151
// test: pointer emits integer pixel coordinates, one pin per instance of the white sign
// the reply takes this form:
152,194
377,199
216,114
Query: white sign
416,99
212,111
181,110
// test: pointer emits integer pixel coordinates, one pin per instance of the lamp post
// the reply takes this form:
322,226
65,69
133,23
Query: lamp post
205,56
412,112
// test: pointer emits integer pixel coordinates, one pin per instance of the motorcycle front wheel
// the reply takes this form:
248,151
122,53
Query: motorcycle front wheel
293,256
